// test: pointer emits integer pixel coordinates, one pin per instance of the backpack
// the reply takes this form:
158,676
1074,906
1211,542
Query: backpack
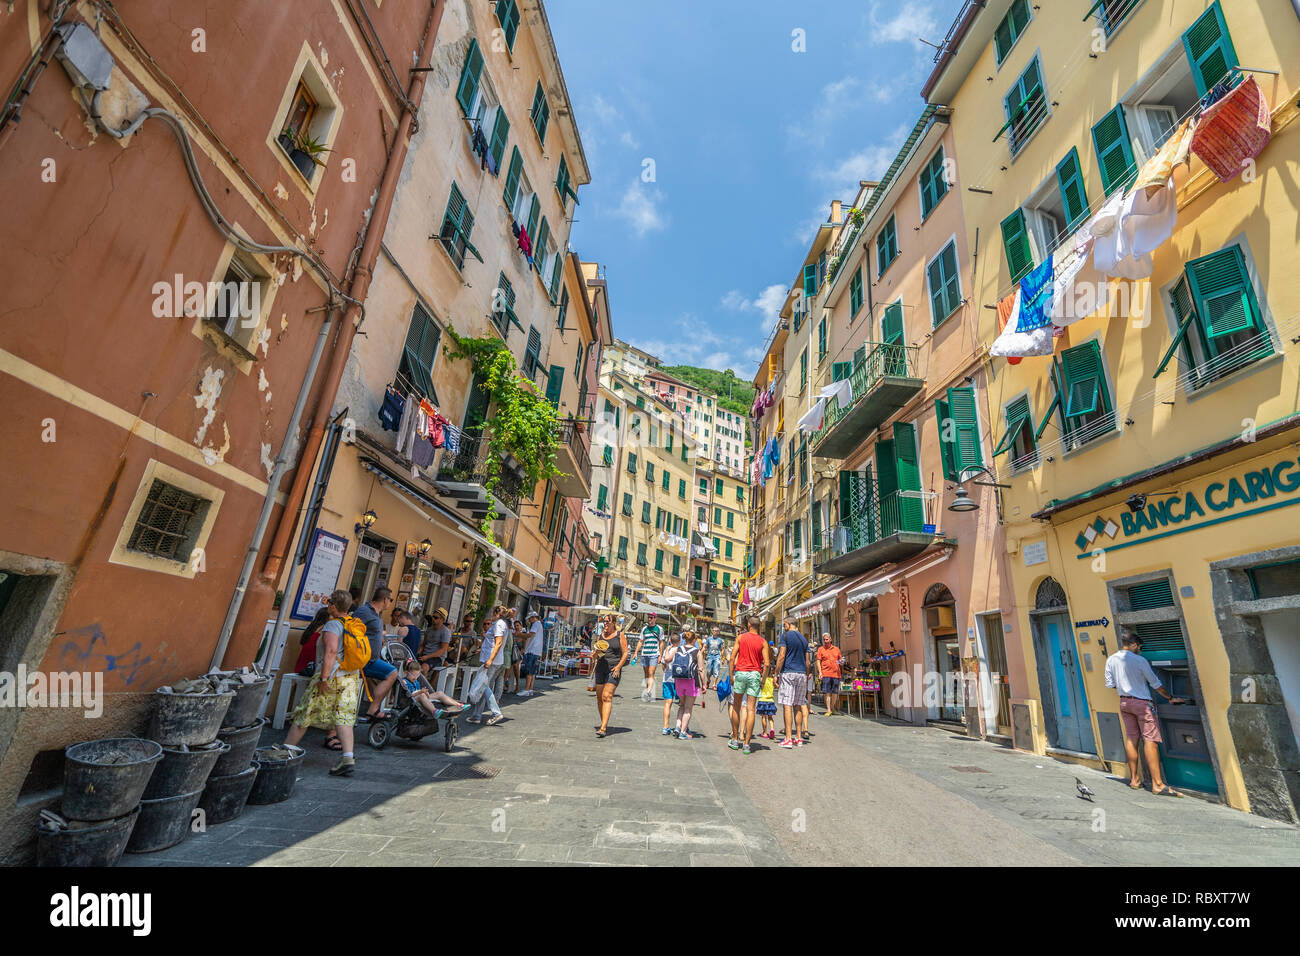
354,645
684,664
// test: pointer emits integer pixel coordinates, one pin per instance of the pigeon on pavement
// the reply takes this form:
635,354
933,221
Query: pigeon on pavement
1084,792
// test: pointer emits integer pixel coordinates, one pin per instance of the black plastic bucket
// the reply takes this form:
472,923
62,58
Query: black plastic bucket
276,776
183,771
163,822
104,779
92,844
243,741
188,718
248,703
224,797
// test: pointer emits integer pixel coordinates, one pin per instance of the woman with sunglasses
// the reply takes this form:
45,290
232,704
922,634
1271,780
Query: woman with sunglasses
610,654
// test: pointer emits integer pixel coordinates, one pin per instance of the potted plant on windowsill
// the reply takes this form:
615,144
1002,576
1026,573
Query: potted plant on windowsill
304,150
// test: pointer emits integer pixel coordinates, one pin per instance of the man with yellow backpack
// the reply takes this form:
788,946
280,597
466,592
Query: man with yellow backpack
334,691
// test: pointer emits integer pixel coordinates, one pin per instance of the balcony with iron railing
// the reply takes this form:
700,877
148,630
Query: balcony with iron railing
880,529
573,460
463,474
882,381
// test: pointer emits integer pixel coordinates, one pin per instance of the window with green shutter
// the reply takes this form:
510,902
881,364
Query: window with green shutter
821,339
730,520
683,451
1025,107
841,371
508,16
650,472
457,224
726,581
532,352
1018,439
540,112
419,353
945,284
1221,326
608,458
681,486
713,577
539,245
717,486
728,547
1010,29
1082,396
668,480
803,369
810,280
959,438
659,559
554,384
704,486
631,463
602,498
1209,49
511,191
627,504
1114,146
855,293
886,246
717,516
622,548
1074,197
1015,242
677,565
740,493
934,184
467,88
645,512
640,554
497,145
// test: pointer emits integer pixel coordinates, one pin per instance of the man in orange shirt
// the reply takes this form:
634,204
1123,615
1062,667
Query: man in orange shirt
751,662
828,670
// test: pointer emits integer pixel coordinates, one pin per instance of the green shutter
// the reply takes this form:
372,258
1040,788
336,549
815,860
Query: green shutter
1114,150
1209,49
500,130
677,565
602,498
934,185
508,17
668,479
947,448
967,450
891,324
909,475
1074,197
1150,595
1017,414
562,179
622,548
945,285
841,371
886,486
659,559
539,246
1015,241
1220,287
645,512
512,178
1185,314
681,483
540,112
534,211
821,339
1009,30
469,77
1085,384
554,384
855,293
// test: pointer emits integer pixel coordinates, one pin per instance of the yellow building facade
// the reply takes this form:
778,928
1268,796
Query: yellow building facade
1152,456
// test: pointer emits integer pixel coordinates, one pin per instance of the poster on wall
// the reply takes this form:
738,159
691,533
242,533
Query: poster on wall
321,575
904,608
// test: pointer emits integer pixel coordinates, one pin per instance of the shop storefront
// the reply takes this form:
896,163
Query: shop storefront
1205,568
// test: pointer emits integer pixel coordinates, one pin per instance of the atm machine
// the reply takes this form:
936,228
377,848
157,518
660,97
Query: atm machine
1185,753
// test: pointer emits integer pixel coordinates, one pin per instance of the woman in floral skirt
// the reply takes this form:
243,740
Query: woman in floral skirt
333,694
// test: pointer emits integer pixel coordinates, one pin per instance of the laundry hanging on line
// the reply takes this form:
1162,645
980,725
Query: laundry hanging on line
1233,131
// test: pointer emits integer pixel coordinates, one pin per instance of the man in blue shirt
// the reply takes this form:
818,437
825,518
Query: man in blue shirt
713,652
378,669
793,662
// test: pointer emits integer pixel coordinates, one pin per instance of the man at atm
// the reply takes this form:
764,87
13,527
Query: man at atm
1128,672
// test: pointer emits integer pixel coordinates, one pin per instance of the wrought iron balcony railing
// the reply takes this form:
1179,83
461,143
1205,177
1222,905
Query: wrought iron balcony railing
572,437
469,465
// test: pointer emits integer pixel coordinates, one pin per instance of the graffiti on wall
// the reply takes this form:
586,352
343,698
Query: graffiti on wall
86,648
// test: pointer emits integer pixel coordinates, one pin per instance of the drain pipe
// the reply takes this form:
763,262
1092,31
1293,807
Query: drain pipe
347,330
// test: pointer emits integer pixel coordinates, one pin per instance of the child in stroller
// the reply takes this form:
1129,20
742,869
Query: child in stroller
416,705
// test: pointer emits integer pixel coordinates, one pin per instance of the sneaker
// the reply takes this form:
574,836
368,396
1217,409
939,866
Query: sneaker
667,731
734,745
344,767
495,718
746,751
799,743
685,735
786,744
675,732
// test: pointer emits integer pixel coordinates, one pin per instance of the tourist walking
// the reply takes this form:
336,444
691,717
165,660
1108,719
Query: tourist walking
669,689
828,672
533,648
332,695
611,654
750,664
793,661
481,693
647,651
1128,672
686,666
713,648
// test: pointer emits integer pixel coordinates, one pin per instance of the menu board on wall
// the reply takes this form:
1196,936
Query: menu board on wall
321,575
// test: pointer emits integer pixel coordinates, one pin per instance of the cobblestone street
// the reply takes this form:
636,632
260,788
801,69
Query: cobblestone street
540,788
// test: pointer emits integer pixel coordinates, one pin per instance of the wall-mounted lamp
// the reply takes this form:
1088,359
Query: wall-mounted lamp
366,523
464,565
962,501
425,547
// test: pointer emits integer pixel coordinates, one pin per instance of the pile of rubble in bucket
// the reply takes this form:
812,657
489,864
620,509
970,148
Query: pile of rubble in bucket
198,766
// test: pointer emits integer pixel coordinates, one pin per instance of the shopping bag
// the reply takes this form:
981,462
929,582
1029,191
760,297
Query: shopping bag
724,688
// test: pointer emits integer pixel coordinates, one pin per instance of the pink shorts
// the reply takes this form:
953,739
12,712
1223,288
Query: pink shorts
686,688
1139,718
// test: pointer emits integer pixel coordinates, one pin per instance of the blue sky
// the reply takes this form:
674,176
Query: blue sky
750,141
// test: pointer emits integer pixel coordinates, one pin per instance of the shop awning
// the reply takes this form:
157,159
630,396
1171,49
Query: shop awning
883,585
760,609
823,600
547,599
413,497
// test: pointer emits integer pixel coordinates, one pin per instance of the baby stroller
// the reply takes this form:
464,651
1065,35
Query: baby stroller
408,719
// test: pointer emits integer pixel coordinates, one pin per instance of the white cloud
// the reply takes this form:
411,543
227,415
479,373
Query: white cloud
640,206
907,25
767,304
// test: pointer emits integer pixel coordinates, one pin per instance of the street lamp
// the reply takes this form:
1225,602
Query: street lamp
425,547
366,523
963,501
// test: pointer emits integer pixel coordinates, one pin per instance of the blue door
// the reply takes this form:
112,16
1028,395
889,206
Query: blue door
1073,724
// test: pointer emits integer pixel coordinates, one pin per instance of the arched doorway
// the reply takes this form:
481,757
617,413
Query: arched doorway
1060,678
940,609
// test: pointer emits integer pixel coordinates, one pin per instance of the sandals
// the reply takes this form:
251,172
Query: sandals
600,733
376,718
332,743
1168,791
